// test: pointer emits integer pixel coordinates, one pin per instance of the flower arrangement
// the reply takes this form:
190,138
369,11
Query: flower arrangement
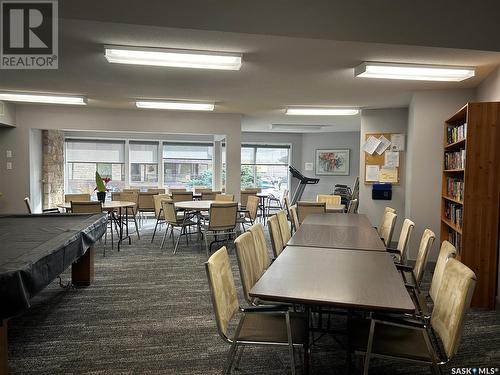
101,183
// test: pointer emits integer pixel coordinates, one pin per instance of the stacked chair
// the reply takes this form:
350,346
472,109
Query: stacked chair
307,208
279,231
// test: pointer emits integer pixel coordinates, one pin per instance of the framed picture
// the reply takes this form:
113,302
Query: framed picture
332,162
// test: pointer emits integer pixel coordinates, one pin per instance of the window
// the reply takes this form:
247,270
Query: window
84,158
265,166
143,163
187,164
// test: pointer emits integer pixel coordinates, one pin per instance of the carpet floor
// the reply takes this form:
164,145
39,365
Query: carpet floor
149,312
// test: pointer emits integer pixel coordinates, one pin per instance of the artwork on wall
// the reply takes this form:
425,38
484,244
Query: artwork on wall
332,162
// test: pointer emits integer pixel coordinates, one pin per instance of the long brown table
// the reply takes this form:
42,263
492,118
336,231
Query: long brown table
343,231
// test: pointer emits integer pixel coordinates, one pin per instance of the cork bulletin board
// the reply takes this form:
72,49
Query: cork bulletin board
379,160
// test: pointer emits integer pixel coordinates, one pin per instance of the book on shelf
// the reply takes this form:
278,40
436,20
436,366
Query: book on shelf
456,133
455,239
454,160
455,188
453,212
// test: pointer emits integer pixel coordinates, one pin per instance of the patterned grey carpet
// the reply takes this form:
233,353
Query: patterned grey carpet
149,312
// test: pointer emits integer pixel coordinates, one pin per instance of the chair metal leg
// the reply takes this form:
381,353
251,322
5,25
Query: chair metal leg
178,239
136,227
156,226
205,235
234,345
290,343
369,348
238,357
164,236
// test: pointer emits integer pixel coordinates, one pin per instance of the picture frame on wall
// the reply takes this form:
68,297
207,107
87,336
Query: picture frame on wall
332,162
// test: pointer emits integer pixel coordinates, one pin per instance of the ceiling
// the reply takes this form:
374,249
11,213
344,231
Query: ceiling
277,71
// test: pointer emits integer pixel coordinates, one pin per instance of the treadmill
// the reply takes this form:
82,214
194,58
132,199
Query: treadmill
302,185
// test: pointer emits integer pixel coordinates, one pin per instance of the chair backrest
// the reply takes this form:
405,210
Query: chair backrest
275,234
284,228
131,196
27,202
155,190
169,212
353,206
426,242
244,196
145,201
287,205
180,196
386,210
252,206
131,190
222,216
283,196
157,202
222,289
176,190
452,302
248,263
294,218
201,190
260,243
404,238
255,190
447,251
328,199
76,197
86,207
224,197
209,195
386,230
307,208
116,195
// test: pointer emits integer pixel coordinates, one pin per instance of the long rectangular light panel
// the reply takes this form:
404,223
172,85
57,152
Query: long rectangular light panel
42,98
173,57
175,105
413,72
321,111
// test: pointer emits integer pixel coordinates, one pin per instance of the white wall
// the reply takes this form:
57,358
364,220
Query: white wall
7,114
489,89
35,168
428,111
16,185
338,140
393,120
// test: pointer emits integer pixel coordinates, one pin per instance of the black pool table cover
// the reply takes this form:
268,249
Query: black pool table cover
35,249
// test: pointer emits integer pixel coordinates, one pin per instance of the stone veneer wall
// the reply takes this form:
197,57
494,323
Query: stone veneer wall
53,168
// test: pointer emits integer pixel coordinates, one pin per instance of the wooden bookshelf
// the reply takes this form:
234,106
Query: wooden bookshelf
470,194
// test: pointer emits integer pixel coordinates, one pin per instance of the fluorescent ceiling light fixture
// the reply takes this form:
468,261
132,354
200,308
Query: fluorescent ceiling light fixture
178,58
42,98
297,127
177,105
413,72
321,111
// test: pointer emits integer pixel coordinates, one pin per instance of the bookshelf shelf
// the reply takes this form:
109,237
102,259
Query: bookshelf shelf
471,195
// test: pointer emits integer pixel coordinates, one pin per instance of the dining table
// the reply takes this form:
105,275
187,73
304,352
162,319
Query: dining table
335,261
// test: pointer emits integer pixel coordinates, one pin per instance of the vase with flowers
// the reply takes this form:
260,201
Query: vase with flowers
101,186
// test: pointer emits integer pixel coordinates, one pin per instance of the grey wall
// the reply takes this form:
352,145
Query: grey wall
342,140
489,89
428,111
295,140
16,184
35,169
8,114
393,120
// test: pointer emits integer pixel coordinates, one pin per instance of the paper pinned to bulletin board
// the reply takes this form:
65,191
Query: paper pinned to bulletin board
384,164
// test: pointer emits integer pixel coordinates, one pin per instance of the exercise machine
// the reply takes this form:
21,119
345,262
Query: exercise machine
303,181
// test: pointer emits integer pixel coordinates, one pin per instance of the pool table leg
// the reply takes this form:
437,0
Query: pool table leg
82,271
4,349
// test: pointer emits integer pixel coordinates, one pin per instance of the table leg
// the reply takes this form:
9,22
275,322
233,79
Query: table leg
120,224
349,343
82,271
126,221
4,349
306,341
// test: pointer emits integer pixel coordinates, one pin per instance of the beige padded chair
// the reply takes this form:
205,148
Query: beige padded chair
176,190
145,203
414,275
224,198
294,218
386,230
307,208
132,190
175,221
248,263
260,243
275,234
181,196
284,227
286,204
156,190
250,214
244,197
386,210
221,222
209,195
404,240
86,207
76,197
258,325
125,214
276,203
446,252
352,208
328,199
160,218
413,341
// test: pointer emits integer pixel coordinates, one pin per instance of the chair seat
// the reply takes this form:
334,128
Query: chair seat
270,327
205,227
391,340
181,222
